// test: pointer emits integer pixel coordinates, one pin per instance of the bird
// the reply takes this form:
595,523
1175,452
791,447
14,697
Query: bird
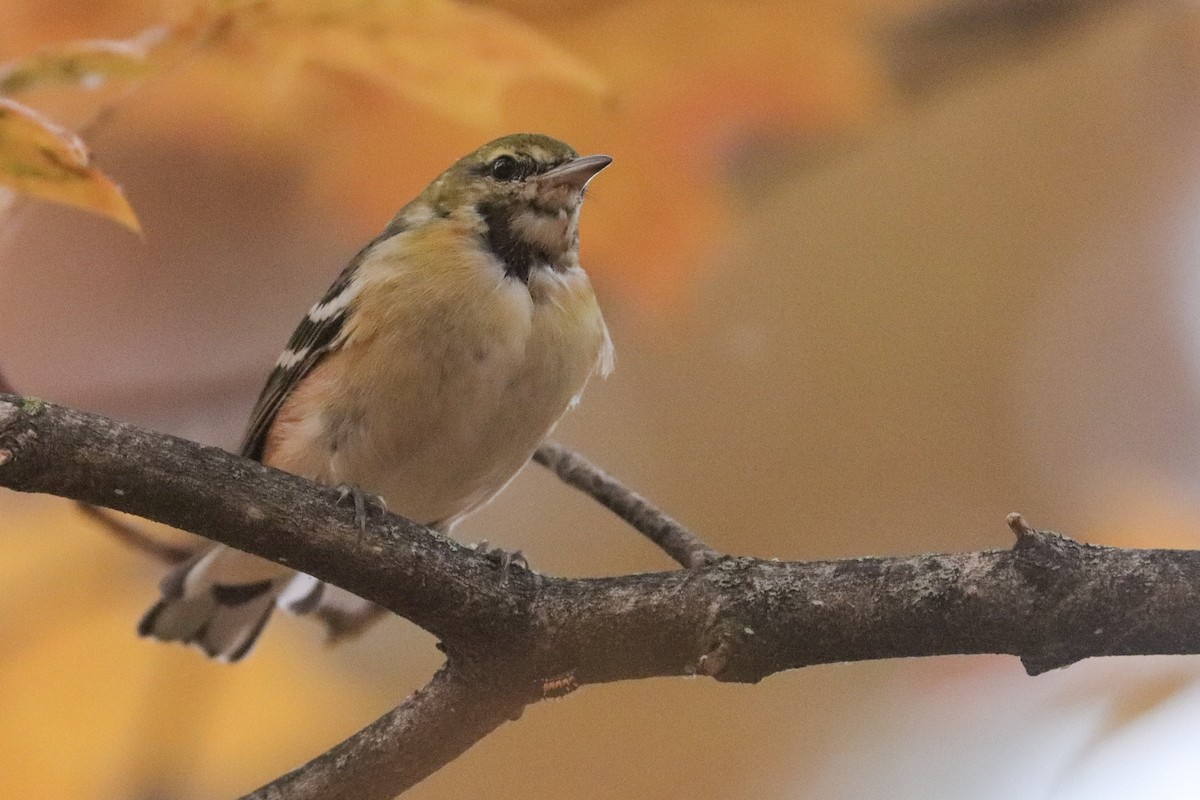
424,379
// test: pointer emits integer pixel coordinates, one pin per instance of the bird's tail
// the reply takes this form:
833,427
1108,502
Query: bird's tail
220,601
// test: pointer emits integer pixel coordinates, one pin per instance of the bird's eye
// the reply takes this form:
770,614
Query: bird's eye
504,168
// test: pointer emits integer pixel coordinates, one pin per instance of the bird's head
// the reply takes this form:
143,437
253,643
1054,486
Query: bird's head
525,190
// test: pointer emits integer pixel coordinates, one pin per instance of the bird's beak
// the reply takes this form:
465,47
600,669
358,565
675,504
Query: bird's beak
574,174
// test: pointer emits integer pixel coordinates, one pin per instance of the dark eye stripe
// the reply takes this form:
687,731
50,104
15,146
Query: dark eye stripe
526,166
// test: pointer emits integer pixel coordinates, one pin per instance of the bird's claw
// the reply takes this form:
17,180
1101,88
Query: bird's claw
361,502
505,558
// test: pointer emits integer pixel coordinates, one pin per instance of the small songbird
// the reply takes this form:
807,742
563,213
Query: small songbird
426,376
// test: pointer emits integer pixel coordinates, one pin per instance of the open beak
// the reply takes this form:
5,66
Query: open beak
574,174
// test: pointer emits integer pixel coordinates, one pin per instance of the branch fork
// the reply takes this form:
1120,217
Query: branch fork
1049,600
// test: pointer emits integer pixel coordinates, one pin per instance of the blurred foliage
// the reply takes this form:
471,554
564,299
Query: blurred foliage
368,101
357,89
41,159
371,99
73,679
456,59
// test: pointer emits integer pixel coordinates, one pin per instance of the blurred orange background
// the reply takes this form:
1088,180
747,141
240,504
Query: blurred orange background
878,273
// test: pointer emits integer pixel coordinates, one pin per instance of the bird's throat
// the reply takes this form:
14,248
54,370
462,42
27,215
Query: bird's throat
516,252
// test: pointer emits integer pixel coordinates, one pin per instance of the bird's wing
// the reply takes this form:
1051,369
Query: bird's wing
319,333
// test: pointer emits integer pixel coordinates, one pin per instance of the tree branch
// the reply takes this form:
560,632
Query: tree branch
1049,600
435,725
675,540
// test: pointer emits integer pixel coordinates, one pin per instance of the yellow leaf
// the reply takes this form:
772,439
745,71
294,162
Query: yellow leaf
456,58
41,159
87,64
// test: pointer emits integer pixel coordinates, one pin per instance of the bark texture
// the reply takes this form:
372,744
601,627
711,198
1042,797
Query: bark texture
513,640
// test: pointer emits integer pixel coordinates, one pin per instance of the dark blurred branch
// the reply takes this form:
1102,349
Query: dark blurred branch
950,41
135,538
675,540
5,387
1049,600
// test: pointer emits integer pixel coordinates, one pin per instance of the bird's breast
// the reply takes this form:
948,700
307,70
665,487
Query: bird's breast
437,409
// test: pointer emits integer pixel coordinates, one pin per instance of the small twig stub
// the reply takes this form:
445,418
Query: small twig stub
1019,526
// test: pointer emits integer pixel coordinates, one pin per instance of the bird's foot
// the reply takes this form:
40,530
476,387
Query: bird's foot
349,494
506,559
